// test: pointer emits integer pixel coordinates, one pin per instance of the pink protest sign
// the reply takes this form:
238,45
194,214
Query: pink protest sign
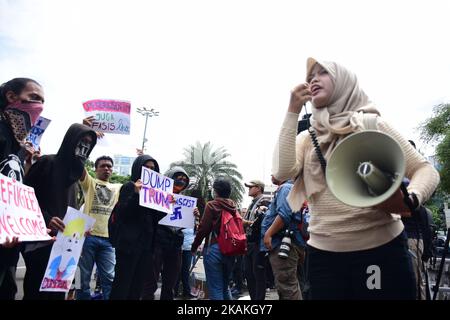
20,215
111,116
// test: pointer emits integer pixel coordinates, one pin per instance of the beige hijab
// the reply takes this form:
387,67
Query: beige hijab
342,116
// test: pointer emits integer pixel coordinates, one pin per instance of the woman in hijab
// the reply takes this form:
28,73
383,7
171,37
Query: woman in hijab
134,240
354,253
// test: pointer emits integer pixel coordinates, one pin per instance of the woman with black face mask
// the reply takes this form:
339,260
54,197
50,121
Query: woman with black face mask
134,235
21,103
168,248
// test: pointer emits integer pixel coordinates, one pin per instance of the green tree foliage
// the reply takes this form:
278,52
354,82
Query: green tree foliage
204,164
437,128
436,205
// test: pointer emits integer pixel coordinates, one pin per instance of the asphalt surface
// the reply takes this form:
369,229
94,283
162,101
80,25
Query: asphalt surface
198,272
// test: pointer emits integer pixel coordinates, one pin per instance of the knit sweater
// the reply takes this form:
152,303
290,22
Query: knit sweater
335,226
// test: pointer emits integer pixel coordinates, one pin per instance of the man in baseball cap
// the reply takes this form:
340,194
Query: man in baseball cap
255,183
254,270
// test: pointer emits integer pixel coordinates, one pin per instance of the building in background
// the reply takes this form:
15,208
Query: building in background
122,164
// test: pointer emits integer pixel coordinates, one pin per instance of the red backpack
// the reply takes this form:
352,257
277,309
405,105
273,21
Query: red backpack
231,238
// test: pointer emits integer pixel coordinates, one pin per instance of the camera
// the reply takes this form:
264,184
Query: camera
285,247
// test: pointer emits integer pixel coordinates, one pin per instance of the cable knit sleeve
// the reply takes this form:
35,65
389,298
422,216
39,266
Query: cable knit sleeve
423,177
287,161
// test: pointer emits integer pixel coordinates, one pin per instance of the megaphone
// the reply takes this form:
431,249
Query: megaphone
365,169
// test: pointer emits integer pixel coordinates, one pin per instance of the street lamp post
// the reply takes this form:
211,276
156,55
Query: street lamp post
147,113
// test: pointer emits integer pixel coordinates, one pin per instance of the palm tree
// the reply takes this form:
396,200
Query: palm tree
204,165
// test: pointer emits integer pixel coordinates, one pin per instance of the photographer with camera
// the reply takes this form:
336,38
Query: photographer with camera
283,239
254,262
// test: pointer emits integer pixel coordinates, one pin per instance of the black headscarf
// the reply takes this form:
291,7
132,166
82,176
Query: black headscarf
138,164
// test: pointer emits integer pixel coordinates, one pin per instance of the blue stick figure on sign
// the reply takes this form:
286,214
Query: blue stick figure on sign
176,214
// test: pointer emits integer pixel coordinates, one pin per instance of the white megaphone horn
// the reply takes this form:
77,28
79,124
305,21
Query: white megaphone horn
365,169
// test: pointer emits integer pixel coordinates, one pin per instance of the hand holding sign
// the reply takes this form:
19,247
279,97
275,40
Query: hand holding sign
138,186
10,244
88,122
56,224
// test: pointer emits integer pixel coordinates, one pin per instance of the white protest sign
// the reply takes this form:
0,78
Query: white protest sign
156,192
111,116
20,215
66,252
183,213
37,131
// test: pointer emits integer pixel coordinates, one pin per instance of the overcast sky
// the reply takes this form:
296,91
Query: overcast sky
221,71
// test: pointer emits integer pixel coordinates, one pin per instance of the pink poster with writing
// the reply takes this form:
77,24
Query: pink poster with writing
110,116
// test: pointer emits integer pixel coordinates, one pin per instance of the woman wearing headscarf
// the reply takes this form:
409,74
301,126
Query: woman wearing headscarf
354,253
135,235
168,248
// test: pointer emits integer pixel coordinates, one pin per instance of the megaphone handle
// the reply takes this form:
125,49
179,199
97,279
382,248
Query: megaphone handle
407,199
316,145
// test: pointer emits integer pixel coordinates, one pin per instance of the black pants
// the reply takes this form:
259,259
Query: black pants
8,286
130,271
36,262
256,276
166,261
238,272
384,272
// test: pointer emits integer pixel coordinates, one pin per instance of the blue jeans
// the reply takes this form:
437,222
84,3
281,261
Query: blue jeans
218,272
100,251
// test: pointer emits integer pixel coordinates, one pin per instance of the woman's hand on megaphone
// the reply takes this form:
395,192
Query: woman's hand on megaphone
395,204
299,96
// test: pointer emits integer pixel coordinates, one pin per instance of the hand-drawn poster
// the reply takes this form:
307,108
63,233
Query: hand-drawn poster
111,116
20,215
37,131
66,252
183,213
156,192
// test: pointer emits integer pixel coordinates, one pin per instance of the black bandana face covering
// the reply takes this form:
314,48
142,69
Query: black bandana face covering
82,150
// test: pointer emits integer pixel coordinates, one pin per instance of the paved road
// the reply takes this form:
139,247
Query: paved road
20,273
198,271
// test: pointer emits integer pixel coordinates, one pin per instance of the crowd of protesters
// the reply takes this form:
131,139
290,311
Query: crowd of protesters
327,260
